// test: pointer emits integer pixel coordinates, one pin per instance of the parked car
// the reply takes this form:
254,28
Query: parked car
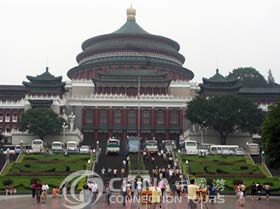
239,151
84,149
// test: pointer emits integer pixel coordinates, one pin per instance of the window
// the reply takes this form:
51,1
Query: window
7,117
160,118
131,118
146,118
88,116
14,119
117,117
103,118
174,118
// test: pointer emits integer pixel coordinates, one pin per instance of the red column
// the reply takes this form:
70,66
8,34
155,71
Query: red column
181,115
153,122
96,111
110,121
124,122
167,111
3,123
11,119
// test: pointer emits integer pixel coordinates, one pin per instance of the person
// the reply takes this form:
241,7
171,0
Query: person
55,192
33,187
156,192
38,191
192,198
236,190
212,192
128,191
267,188
103,172
45,188
139,187
259,190
108,193
173,188
8,190
124,191
122,172
86,192
94,190
162,186
115,173
243,188
178,189
241,199
110,172
132,189
254,190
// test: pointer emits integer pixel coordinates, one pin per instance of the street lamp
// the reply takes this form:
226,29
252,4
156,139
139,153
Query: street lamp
8,156
64,127
187,170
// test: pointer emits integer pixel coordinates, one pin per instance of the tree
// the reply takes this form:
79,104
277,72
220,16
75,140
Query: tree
270,78
41,122
270,132
225,114
248,77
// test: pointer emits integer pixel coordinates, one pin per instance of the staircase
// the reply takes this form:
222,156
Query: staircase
113,162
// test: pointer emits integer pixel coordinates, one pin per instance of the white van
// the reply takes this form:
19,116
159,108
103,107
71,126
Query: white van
72,147
189,147
37,145
57,146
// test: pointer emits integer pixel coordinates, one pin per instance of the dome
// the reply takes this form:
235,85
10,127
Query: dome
130,45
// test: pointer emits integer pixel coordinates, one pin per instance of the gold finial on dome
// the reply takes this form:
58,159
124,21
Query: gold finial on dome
131,13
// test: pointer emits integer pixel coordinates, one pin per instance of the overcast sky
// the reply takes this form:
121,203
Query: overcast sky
212,33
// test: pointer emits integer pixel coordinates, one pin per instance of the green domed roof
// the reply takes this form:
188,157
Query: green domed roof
131,27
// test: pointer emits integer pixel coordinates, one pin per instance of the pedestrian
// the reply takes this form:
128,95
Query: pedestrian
243,188
156,192
267,188
110,172
241,199
124,191
192,197
259,190
139,187
122,172
55,192
45,188
33,187
108,193
103,172
8,190
94,190
87,195
38,191
254,190
178,189
115,171
212,192
162,186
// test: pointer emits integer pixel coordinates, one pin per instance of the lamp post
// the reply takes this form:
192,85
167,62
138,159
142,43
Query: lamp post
64,127
187,170
97,151
8,156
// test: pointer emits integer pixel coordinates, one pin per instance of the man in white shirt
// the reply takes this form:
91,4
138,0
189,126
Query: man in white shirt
94,191
45,189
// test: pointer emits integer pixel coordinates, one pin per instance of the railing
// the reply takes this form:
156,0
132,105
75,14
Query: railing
122,97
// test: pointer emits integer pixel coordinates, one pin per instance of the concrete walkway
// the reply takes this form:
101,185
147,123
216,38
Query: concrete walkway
26,202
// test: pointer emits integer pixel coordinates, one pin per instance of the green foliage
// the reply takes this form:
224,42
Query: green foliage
133,162
270,132
41,122
225,114
248,77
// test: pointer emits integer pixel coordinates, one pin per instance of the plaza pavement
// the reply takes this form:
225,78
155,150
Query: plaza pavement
26,202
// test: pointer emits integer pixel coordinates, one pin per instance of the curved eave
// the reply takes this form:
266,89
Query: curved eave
177,55
226,82
105,37
31,78
78,68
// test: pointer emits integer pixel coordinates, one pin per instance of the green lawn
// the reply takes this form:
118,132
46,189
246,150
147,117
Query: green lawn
51,168
227,167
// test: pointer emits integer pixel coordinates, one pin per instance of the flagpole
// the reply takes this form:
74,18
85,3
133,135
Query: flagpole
138,124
